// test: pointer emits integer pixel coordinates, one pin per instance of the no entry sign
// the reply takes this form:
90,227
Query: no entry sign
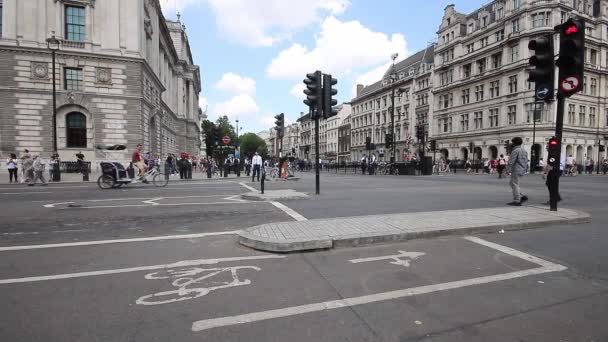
226,140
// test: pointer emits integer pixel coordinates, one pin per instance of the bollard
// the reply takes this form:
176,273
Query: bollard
262,182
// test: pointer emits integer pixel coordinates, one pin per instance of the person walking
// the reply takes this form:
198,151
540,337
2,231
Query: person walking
257,164
247,167
550,174
517,168
11,164
38,166
605,166
27,165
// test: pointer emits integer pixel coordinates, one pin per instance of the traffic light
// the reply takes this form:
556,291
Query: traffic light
328,93
216,136
433,145
420,132
543,60
471,146
507,146
602,148
280,124
368,143
388,140
571,61
553,147
314,93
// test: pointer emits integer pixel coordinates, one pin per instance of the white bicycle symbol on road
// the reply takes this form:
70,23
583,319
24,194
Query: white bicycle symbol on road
185,278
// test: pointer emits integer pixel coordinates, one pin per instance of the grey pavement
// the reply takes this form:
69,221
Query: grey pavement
355,231
274,195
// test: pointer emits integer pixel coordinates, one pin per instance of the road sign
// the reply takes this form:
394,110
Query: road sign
570,84
542,92
226,140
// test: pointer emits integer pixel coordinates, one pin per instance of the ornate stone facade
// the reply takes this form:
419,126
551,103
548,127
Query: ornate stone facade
129,75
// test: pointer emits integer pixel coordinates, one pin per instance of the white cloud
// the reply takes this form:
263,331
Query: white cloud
236,84
372,76
268,120
264,22
340,48
239,105
298,91
203,103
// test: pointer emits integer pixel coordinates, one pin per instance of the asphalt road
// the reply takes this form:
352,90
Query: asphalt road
82,264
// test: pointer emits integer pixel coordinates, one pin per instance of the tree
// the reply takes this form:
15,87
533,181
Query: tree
251,143
208,127
226,128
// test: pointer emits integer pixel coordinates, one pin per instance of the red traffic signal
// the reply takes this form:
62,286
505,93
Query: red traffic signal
571,29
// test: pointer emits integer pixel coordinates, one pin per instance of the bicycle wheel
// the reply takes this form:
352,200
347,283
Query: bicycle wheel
160,180
172,296
105,182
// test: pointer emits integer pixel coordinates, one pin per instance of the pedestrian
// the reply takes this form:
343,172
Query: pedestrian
550,175
11,164
570,166
588,165
52,163
493,166
38,167
502,164
605,166
27,166
257,164
247,167
517,168
363,164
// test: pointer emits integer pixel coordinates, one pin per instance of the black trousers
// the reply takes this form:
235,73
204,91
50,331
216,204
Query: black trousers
256,171
12,173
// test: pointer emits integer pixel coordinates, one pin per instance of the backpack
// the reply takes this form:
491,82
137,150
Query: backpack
502,161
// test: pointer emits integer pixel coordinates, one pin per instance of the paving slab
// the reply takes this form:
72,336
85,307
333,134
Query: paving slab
274,195
364,230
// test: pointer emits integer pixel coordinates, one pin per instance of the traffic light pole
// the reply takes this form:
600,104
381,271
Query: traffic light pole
317,176
393,122
553,182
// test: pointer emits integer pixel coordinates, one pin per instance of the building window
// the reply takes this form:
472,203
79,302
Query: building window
466,71
481,66
484,41
581,115
571,114
593,86
493,117
73,79
585,85
591,116
464,122
76,130
516,4
541,19
478,120
464,98
514,52
75,23
500,12
499,35
470,47
479,92
513,84
496,60
591,56
515,26
495,89
512,115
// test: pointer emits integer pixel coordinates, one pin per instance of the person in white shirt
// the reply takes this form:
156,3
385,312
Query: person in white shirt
257,164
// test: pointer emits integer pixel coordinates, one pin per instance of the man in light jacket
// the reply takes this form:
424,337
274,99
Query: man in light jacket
257,164
517,168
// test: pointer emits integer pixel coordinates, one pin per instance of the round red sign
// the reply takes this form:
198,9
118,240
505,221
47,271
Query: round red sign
226,140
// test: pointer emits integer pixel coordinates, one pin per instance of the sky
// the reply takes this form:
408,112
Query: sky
254,54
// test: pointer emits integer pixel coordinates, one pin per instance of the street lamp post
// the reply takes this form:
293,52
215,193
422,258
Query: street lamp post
393,80
53,45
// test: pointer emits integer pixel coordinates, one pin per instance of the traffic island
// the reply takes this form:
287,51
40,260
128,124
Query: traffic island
274,195
365,230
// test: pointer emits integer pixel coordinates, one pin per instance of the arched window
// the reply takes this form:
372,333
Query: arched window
76,130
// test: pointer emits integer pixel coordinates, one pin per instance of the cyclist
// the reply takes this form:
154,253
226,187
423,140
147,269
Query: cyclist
138,161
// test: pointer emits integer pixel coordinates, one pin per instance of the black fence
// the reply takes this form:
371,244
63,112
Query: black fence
74,167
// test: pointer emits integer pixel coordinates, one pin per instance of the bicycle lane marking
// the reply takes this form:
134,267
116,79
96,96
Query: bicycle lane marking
545,267
184,263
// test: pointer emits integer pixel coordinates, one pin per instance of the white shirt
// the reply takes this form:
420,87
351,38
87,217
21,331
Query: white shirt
257,160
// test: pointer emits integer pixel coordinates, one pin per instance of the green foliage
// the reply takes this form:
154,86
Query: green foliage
251,143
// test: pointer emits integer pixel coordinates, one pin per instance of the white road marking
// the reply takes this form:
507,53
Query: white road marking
33,191
159,204
546,267
152,201
23,193
185,279
289,211
185,263
20,233
105,242
402,259
248,187
52,205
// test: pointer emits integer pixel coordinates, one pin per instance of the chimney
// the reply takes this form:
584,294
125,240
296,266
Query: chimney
359,89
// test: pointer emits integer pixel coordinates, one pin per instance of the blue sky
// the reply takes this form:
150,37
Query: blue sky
254,54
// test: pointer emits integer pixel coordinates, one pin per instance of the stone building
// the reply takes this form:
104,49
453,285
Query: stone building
411,80
482,97
124,75
344,141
